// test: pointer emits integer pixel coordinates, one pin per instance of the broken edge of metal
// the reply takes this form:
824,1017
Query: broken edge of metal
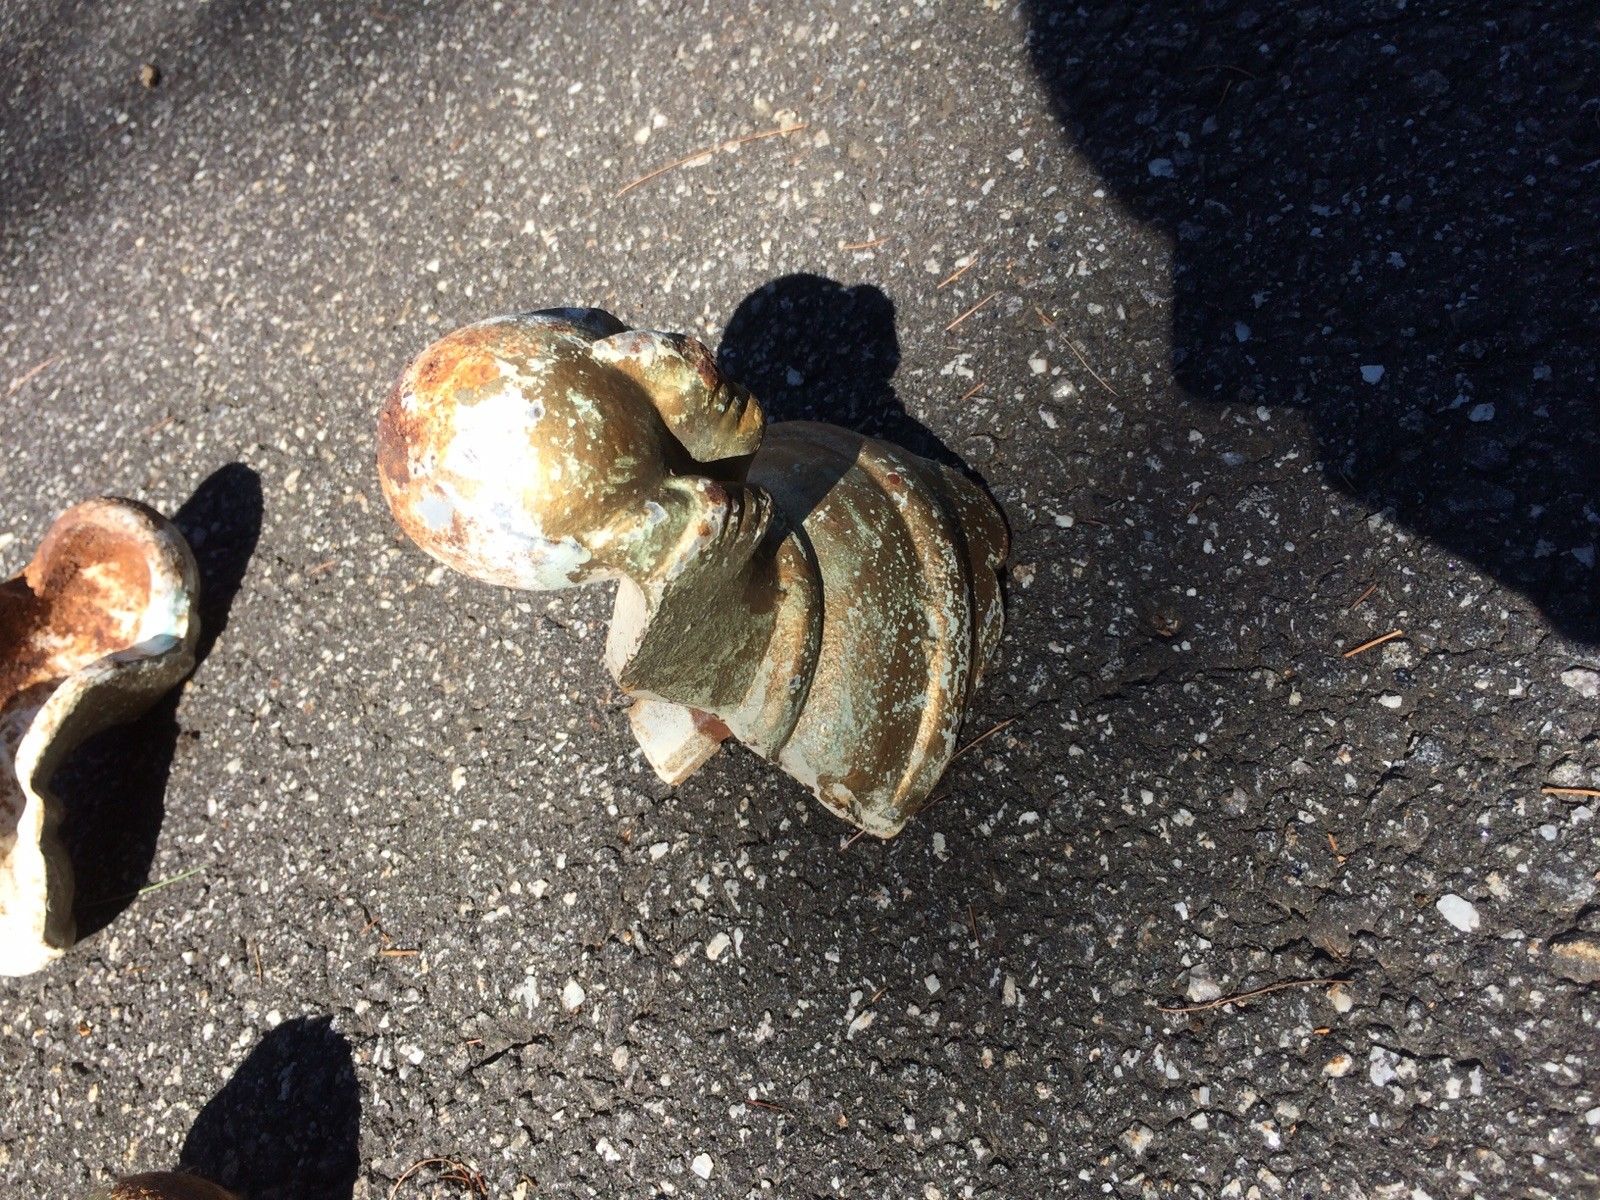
98,626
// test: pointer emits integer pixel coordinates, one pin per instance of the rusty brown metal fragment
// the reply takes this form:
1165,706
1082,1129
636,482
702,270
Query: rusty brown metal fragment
163,1185
828,599
94,630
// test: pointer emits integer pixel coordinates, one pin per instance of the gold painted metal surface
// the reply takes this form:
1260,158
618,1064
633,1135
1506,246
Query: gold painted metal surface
98,626
829,599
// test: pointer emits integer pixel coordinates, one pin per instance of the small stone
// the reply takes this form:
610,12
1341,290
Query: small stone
702,1165
1583,680
1338,1066
1458,912
1371,373
573,995
717,945
1202,988
1138,1137
149,76
1381,1064
1481,413
1576,956
1161,168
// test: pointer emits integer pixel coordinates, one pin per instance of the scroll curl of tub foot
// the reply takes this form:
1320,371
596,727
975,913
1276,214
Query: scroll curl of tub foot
828,599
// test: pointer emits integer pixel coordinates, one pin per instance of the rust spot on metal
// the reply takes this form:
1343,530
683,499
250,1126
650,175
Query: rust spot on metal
710,725
165,1185
78,600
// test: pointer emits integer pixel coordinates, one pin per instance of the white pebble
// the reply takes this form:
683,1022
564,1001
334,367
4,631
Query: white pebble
1371,373
702,1166
1584,681
572,995
1458,912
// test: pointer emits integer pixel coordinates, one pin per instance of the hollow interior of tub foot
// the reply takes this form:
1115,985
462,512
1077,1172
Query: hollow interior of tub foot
84,596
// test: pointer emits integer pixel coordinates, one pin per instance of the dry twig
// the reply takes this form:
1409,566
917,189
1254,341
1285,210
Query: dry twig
1051,324
1091,370
956,274
970,311
971,391
865,245
706,153
20,380
454,1171
1243,997
1356,603
982,737
1552,790
1377,641
1223,67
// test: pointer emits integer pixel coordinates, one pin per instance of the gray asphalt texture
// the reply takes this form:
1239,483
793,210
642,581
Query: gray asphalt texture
1285,338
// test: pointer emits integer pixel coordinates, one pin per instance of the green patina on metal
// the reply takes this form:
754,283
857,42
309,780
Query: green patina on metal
828,599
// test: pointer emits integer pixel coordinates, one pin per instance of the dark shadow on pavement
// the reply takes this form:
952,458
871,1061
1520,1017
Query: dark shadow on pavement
287,1125
1384,217
813,349
112,788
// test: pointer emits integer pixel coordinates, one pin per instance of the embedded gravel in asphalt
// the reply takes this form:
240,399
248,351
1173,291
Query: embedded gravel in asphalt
1273,329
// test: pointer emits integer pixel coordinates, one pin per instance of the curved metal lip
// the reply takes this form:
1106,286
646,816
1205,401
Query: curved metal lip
106,659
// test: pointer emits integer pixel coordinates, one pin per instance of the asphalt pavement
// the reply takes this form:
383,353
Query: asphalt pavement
1273,329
